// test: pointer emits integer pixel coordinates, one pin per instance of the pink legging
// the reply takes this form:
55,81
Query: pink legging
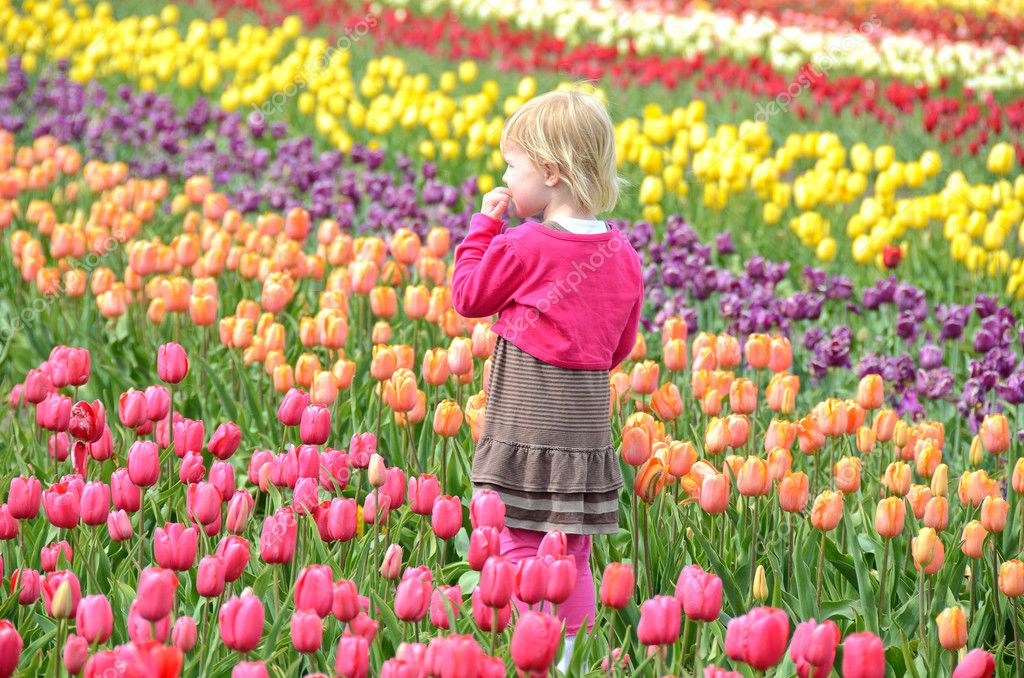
517,544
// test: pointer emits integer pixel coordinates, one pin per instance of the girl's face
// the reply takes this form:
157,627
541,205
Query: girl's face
526,182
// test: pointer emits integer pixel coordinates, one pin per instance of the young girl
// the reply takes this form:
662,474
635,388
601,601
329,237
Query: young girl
568,292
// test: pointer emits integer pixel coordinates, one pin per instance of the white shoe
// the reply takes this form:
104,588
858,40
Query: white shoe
563,663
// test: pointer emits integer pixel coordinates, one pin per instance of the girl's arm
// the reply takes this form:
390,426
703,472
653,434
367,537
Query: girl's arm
487,270
628,339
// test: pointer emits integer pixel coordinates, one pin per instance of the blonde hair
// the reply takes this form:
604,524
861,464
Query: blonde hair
572,130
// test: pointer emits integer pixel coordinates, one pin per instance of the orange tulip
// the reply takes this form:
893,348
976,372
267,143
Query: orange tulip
381,333
995,433
324,390
674,355
793,492
416,301
448,418
650,478
756,349
383,301
344,370
780,394
711,403
703,340
831,417
636,445
973,540
900,433
871,391
714,493
897,478
739,430
936,513
680,457
780,355
827,510
994,511
928,550
975,486
704,359
667,402
405,246
643,378
889,516
435,366
417,414
156,311
884,424
727,351
847,474
306,366
940,482
752,479
400,390
438,241
674,328
780,433
918,498
202,310
383,363
1011,578
808,434
460,355
700,383
743,396
928,458
716,436
865,440
780,463
952,624
1017,480
283,378
639,351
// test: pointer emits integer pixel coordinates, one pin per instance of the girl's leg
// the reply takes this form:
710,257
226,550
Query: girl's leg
581,607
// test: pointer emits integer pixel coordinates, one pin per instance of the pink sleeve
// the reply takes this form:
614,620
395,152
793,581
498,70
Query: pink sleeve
487,270
628,339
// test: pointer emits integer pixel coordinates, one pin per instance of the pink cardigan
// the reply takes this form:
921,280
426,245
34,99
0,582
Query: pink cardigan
569,299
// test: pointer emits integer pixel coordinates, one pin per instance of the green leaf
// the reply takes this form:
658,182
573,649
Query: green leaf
866,587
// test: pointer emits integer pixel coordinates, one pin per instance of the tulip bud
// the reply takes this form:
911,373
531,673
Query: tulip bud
760,588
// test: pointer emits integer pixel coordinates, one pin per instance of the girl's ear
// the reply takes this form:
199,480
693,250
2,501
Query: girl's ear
551,177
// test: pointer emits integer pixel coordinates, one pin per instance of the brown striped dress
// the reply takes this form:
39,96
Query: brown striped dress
546,444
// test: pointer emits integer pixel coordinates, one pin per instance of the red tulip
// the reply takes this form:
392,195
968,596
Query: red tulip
412,599
94,619
222,476
225,440
95,503
617,585
863,656
813,648
532,579
487,509
67,602
976,664
422,493
561,579
554,544
175,546
27,583
241,622
234,551
184,633
37,386
210,576
446,517
445,600
289,412
171,363
497,580
123,492
10,648
75,654
315,425
144,463
62,505
484,542
24,497
353,657
660,619
314,589
307,631
344,600
700,593
84,423
758,638
191,469
535,641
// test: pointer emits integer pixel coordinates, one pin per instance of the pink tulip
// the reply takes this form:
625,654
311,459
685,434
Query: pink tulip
535,641
54,413
445,600
202,502
95,503
314,589
376,507
49,556
554,544
51,585
360,447
241,622
487,509
813,648
158,403
863,656
141,630
184,634
305,496
532,579
123,492
976,664
94,619
84,423
103,449
225,440
660,618
344,600
62,505
339,519
37,386
10,648
561,580
132,408
8,525
307,631
24,497
352,659
483,614
156,593
249,670
394,486
446,517
75,654
277,540
315,425
289,412
412,600
484,542
144,463
222,476
171,363
191,468
392,564
175,546
422,491
240,507
758,638
188,436
27,583
59,446
78,365
234,551
333,471
119,527
700,593
210,577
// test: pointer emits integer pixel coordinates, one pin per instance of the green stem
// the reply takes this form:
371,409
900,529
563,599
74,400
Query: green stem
821,566
881,578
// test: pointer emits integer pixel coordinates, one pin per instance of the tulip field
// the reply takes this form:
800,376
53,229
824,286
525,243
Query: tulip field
239,409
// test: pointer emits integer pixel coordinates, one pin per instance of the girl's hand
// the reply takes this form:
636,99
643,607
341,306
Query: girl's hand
495,202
